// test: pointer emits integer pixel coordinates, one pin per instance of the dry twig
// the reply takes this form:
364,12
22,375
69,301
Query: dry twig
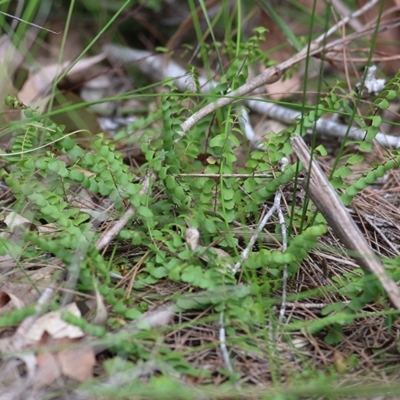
119,225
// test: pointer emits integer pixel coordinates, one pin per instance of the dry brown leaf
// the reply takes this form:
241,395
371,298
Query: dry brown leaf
15,295
35,91
76,363
63,357
82,68
87,173
59,350
55,326
83,201
41,276
21,290
14,221
39,83
10,299
267,127
282,88
48,369
95,90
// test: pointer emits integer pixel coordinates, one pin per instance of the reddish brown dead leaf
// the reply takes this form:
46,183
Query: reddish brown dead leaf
63,357
48,370
76,362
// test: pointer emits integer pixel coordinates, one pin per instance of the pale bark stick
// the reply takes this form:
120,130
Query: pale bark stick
328,203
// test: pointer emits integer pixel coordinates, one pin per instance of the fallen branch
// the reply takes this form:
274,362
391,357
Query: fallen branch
323,126
328,203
